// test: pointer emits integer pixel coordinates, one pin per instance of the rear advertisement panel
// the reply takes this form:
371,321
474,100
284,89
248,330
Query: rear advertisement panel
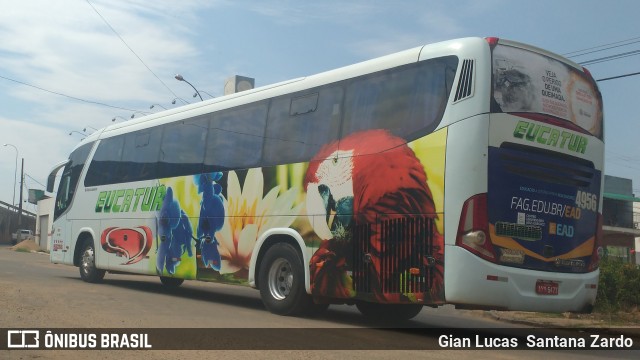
545,170
542,210
524,81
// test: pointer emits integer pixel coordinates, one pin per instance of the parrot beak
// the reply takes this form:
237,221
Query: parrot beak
316,206
330,197
329,203
337,214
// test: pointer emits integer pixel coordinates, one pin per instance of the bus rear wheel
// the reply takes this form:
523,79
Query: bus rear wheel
88,270
389,312
281,280
170,282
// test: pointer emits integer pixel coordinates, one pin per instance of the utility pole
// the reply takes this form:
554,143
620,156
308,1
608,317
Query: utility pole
20,204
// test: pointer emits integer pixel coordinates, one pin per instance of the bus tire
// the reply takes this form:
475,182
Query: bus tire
88,270
389,312
170,282
281,280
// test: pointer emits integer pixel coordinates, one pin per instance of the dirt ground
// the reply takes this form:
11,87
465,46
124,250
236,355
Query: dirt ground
26,308
27,245
630,320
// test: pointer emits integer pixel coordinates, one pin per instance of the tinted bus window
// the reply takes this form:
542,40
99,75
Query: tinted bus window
235,138
105,165
69,180
140,155
298,126
409,101
183,145
524,81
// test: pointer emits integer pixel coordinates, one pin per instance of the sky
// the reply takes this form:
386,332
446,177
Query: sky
68,67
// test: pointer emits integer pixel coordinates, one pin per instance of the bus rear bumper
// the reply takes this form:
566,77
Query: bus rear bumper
473,282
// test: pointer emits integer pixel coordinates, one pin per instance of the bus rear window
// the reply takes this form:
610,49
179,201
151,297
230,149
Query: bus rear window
526,81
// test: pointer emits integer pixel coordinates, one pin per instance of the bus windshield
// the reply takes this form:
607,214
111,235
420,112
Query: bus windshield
530,82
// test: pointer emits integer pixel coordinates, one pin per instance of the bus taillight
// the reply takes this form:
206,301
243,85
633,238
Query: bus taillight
473,229
597,246
586,71
493,41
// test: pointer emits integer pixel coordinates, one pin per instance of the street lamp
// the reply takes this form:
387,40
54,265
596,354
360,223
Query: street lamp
137,112
181,99
77,132
15,172
180,78
85,129
153,105
114,119
202,91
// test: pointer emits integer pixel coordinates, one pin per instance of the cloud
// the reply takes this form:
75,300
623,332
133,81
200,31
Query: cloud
430,22
66,47
294,13
41,146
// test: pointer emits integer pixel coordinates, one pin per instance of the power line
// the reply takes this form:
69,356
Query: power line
128,47
610,57
30,177
619,76
65,95
607,48
569,54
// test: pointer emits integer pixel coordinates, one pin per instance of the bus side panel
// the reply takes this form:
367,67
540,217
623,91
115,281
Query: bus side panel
126,244
466,170
61,250
125,227
376,203
207,225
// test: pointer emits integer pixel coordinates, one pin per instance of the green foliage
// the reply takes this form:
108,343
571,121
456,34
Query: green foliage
619,286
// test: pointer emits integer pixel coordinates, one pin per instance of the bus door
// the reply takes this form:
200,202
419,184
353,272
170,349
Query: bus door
60,247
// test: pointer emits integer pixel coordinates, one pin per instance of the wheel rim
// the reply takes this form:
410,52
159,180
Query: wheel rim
87,261
280,279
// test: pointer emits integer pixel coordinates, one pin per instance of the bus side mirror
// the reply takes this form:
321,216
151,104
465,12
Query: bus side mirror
51,180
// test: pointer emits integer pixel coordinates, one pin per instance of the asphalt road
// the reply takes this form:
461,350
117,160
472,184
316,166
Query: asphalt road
38,294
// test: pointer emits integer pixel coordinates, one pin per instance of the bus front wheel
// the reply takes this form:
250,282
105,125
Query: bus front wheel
388,312
281,279
88,270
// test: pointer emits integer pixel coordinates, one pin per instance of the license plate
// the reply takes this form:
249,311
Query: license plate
546,287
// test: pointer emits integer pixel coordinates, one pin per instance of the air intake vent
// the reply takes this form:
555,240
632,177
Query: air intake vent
547,166
405,243
465,84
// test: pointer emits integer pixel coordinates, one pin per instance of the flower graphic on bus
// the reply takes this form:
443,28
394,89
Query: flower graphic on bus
365,180
249,215
174,233
211,218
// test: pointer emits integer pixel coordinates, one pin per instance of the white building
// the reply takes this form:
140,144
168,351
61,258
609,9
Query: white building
44,223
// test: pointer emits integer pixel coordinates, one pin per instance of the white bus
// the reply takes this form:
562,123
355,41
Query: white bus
466,172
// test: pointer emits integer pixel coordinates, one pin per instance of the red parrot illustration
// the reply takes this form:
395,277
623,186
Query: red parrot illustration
365,178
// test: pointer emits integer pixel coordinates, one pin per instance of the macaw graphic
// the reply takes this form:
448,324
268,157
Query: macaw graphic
174,231
131,243
367,178
211,218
